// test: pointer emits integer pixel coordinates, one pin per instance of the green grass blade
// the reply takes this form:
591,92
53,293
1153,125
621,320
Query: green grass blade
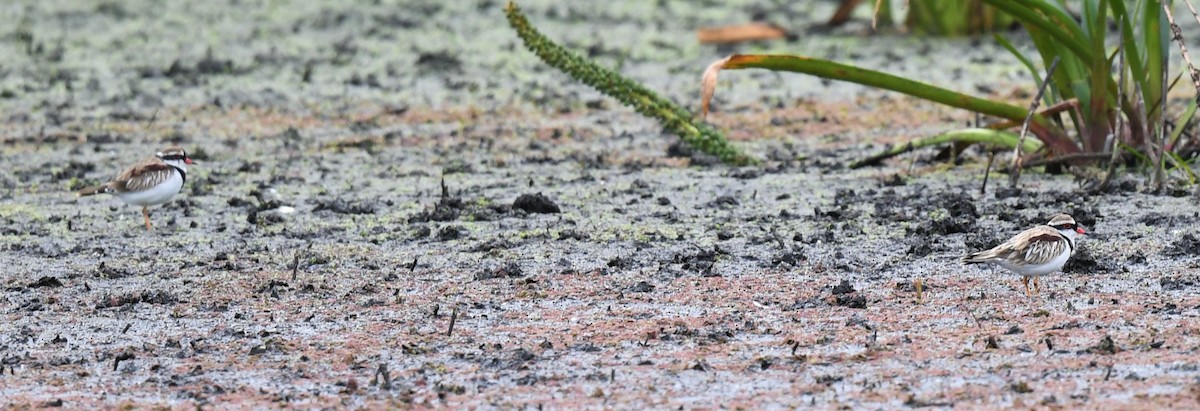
1182,122
1136,153
1033,72
1048,18
1049,133
1179,163
1155,40
878,79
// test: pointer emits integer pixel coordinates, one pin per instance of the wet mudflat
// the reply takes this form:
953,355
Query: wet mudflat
390,211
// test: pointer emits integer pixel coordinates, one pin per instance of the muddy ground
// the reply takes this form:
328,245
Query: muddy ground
395,205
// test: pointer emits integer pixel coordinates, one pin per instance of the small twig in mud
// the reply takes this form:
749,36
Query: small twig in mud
453,319
1108,374
612,375
1116,137
295,265
153,118
413,265
296,261
920,297
387,377
126,329
1049,343
912,162
1033,106
986,172
1178,37
973,317
778,239
122,357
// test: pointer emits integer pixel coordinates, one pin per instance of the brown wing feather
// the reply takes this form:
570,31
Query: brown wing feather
1041,249
148,173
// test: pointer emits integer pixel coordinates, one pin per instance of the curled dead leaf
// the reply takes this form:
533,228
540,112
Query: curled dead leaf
708,84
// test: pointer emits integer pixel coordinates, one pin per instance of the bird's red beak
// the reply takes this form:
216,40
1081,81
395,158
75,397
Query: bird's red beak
1080,230
187,160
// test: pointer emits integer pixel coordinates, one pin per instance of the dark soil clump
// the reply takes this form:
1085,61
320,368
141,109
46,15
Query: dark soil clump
1106,346
150,297
1168,220
450,232
680,149
511,269
46,282
1083,262
845,295
1178,283
341,206
535,203
1188,245
724,202
641,287
701,261
843,287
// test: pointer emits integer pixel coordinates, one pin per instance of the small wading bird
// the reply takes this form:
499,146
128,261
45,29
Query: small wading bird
151,182
1034,252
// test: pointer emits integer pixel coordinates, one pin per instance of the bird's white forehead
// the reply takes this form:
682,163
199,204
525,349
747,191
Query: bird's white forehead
1061,219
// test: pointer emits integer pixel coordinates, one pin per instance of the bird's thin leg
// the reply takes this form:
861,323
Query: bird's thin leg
1037,288
1025,280
146,215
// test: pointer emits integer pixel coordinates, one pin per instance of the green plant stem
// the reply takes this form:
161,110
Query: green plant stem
674,118
997,138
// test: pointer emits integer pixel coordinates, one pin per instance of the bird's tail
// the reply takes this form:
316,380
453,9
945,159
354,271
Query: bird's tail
91,191
977,257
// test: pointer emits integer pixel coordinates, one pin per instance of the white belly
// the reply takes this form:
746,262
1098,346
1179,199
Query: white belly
159,194
1041,269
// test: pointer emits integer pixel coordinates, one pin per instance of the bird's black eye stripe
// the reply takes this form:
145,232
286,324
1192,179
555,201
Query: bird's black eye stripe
175,157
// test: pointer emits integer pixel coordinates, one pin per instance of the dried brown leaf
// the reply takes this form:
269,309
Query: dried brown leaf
740,33
708,85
